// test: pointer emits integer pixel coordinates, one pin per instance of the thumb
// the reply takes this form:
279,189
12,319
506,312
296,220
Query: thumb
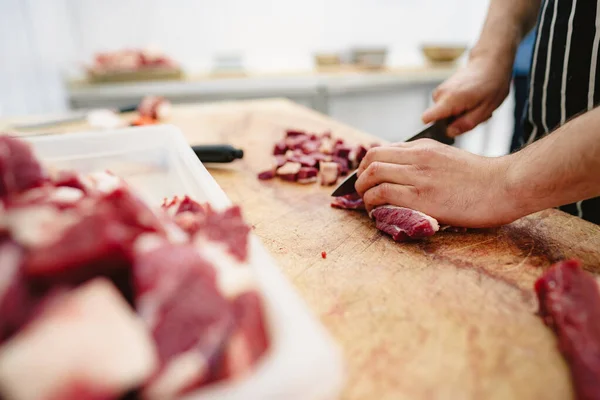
440,110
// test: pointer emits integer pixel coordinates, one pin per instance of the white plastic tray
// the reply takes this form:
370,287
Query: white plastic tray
304,363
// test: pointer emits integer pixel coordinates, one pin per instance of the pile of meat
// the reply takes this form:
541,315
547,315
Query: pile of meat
569,303
128,60
307,157
102,297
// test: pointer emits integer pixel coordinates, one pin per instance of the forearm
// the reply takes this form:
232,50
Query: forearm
507,22
561,168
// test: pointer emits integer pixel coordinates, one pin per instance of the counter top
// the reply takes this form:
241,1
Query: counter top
449,317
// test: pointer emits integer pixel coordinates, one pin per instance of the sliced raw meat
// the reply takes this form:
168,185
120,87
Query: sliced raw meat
249,341
344,167
88,341
307,175
289,171
178,205
569,303
342,152
311,146
189,318
304,160
357,155
403,223
351,201
19,169
293,133
329,173
155,107
280,148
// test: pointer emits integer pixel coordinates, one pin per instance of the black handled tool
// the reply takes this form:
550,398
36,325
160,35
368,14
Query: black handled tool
218,153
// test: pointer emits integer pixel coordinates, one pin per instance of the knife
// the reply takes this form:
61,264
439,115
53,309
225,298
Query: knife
218,153
434,130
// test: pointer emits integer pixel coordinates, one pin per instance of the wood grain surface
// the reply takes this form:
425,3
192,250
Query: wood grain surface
452,317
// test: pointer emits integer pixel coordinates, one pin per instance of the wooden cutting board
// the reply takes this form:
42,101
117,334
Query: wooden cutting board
452,317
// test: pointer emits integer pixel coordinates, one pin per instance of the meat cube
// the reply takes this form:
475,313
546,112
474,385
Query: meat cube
19,169
343,165
342,152
249,340
227,228
569,304
357,155
403,223
329,173
296,142
98,245
289,171
304,160
155,107
177,205
351,201
311,146
327,146
16,300
70,179
280,148
307,175
86,344
176,287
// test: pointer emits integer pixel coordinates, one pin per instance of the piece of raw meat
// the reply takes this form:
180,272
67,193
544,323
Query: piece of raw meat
190,320
329,173
403,223
19,169
569,303
86,344
155,107
289,171
351,201
307,175
249,340
16,299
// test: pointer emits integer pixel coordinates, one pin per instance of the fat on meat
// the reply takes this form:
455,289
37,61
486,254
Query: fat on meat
403,223
329,173
86,344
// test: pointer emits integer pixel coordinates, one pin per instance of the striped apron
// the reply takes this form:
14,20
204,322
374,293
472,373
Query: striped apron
563,75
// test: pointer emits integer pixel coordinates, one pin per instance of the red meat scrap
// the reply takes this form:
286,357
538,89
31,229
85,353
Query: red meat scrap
351,201
19,168
569,304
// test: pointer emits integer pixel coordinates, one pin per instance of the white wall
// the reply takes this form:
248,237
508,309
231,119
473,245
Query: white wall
41,39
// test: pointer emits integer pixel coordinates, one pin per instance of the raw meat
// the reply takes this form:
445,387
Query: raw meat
350,201
329,173
309,150
403,223
190,320
19,169
569,303
154,107
307,175
87,341
71,243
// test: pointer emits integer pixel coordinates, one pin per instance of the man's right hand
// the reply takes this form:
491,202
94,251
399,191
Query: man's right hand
474,92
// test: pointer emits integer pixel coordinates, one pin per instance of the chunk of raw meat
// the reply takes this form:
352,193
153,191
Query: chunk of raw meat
344,167
403,223
357,155
227,228
280,148
70,179
155,107
16,300
351,201
19,169
266,175
569,303
87,342
178,205
293,133
189,318
249,339
329,173
289,171
307,175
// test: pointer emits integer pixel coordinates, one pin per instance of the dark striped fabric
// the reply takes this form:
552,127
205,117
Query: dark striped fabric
565,75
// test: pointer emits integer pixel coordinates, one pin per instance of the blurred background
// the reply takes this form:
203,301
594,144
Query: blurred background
369,63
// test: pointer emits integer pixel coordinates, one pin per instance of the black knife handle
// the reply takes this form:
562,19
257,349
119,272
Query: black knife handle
218,153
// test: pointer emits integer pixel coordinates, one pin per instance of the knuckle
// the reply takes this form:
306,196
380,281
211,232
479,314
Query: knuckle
374,169
384,191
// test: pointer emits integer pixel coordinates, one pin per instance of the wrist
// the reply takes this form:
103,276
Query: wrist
519,190
493,58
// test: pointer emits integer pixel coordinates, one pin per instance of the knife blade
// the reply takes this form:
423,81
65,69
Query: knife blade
435,130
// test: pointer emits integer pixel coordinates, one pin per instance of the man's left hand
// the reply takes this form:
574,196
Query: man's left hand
452,185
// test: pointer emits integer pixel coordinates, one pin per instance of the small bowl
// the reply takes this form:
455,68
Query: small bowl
443,53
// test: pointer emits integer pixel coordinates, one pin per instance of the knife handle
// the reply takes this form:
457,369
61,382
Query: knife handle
219,153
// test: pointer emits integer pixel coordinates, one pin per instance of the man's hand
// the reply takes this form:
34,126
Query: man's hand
475,91
451,185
